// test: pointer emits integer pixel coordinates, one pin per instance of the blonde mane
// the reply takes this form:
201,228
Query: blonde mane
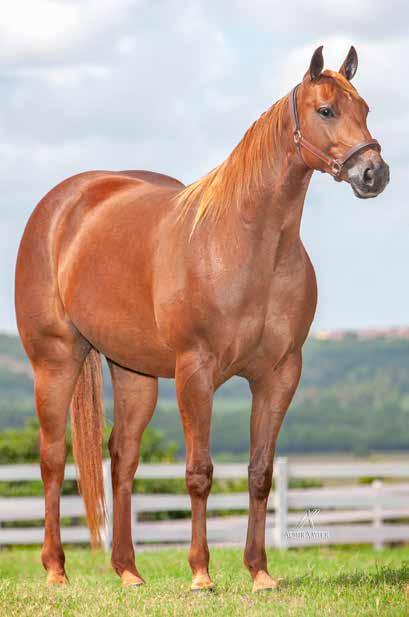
241,174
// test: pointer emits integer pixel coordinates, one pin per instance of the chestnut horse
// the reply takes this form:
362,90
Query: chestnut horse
197,284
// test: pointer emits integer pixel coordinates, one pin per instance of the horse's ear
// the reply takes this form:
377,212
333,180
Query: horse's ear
316,64
350,65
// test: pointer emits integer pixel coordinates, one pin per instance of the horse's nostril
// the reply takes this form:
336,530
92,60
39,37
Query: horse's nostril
369,175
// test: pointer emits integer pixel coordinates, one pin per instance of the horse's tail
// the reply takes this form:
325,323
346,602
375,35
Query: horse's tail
87,423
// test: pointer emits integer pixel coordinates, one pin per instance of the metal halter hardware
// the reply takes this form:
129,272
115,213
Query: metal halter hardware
335,166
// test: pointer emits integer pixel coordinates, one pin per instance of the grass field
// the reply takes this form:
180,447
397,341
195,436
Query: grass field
341,582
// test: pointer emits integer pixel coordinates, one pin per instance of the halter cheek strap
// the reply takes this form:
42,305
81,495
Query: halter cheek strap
335,166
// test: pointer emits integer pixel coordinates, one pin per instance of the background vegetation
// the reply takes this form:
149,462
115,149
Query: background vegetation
353,398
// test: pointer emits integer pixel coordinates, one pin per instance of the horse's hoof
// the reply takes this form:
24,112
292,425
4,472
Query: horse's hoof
131,581
264,582
202,582
56,578
208,589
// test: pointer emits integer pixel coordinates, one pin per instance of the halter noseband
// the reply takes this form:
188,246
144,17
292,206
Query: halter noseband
335,166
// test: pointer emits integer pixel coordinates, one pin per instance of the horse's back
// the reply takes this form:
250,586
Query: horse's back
70,200
153,178
98,184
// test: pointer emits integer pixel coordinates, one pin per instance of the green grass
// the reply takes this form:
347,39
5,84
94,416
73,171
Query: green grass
341,582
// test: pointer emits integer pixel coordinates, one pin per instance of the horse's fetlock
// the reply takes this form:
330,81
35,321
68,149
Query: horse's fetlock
53,558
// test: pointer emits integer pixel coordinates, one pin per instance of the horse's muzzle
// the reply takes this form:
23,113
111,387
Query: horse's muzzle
369,176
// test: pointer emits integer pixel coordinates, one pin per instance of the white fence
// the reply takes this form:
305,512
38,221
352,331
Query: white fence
375,513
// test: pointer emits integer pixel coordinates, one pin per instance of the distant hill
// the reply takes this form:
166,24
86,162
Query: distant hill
353,397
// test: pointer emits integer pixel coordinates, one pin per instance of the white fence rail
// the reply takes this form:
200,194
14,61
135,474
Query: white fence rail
375,513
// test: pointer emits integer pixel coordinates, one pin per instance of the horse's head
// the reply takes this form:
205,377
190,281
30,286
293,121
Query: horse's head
329,122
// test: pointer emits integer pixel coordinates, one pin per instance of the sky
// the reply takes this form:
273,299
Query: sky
171,86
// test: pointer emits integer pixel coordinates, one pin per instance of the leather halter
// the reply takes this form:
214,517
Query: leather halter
335,166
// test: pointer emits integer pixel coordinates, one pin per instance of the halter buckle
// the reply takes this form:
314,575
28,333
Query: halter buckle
336,168
297,136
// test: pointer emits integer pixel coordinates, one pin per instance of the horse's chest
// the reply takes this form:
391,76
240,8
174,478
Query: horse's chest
290,309
272,319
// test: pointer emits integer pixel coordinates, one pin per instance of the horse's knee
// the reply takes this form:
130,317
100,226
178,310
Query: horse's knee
260,479
199,478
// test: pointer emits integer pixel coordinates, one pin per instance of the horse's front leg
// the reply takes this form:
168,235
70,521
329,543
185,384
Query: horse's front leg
272,393
194,387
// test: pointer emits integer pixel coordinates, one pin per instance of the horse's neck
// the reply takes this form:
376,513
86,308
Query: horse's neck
277,208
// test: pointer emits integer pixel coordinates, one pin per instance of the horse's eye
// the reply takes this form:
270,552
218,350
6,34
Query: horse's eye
325,112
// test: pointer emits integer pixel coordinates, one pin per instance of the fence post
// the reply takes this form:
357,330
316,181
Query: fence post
377,515
106,532
281,503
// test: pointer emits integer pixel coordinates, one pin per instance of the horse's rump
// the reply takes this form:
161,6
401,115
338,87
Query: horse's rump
88,242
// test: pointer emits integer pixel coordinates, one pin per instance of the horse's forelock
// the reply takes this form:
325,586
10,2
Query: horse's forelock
341,82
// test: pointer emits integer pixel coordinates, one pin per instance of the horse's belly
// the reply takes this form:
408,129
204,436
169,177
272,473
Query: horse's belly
132,348
128,339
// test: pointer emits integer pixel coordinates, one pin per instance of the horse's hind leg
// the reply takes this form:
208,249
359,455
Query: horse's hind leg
57,364
135,399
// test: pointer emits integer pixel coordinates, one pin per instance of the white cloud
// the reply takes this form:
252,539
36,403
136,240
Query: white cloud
51,32
172,86
297,18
